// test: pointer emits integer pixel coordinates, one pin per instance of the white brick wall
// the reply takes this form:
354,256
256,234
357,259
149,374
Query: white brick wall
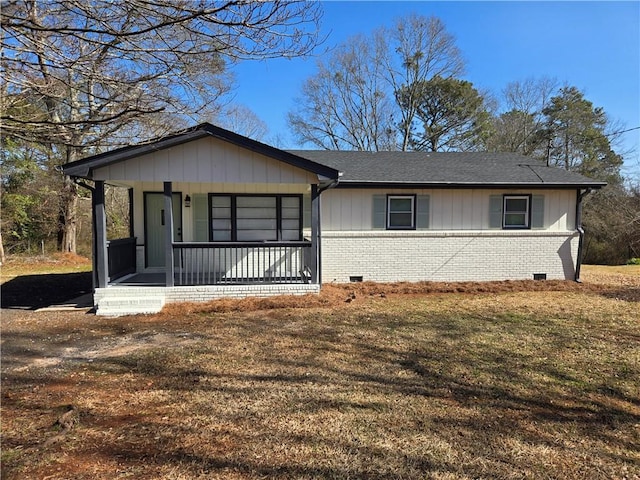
384,256
130,300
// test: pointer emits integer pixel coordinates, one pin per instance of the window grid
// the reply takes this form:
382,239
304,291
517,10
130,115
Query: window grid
260,217
401,212
516,211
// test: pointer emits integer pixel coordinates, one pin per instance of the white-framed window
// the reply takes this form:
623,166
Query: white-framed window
516,211
401,212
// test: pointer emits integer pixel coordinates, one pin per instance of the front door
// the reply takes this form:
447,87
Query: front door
154,221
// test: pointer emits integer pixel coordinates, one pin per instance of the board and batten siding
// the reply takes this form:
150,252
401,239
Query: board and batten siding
459,244
207,160
450,209
199,192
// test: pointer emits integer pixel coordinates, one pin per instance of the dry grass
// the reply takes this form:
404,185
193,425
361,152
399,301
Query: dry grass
56,263
521,380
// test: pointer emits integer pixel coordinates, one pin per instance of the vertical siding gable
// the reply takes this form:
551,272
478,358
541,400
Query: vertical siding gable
161,168
206,160
205,165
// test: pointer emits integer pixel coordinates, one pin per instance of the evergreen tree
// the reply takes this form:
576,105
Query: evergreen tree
577,139
452,113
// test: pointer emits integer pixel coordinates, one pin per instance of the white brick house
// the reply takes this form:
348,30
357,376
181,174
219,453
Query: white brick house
217,214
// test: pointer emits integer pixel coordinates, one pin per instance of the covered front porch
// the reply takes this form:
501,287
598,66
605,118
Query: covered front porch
212,214
128,280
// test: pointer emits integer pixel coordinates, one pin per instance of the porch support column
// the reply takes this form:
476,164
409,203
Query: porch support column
168,233
100,256
316,276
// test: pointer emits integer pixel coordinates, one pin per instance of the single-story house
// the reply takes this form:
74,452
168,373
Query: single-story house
216,214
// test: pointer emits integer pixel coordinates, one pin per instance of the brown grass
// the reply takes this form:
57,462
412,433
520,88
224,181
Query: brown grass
56,263
501,380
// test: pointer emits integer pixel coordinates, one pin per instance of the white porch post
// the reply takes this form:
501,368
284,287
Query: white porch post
315,235
168,233
100,257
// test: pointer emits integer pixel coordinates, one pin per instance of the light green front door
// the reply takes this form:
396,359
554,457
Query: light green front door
154,221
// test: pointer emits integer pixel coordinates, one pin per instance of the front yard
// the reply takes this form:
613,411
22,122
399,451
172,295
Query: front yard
365,382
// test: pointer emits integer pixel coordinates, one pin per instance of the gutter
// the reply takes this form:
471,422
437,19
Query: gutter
332,184
581,195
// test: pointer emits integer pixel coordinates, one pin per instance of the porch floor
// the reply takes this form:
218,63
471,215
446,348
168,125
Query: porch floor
141,279
158,280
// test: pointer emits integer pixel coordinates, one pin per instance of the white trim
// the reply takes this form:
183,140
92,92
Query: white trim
412,212
526,212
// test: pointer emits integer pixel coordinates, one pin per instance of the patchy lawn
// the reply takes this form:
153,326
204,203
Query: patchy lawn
501,380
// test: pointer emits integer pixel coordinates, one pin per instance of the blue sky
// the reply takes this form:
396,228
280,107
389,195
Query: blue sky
594,46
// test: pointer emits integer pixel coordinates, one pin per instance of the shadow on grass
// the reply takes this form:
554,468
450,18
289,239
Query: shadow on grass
389,395
30,292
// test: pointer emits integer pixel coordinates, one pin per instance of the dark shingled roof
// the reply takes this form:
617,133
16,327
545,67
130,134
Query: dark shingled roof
444,169
371,169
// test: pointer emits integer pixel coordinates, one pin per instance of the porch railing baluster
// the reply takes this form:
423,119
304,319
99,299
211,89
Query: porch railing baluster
211,263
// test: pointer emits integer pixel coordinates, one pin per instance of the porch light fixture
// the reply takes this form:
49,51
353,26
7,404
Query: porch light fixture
187,201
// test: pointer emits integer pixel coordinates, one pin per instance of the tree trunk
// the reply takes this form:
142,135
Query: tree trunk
2,257
68,216
69,208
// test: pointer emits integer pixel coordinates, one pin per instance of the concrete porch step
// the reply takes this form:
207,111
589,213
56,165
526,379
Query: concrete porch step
127,305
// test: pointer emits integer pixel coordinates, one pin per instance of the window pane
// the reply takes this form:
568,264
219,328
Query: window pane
400,204
292,224
515,220
222,235
291,202
516,204
401,220
290,235
221,201
221,224
290,212
256,235
268,202
218,212
256,224
256,213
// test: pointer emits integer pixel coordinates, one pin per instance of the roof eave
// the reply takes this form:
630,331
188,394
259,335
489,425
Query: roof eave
413,185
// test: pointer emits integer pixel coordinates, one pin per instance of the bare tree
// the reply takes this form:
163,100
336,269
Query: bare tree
365,95
518,128
418,49
345,106
244,121
81,75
